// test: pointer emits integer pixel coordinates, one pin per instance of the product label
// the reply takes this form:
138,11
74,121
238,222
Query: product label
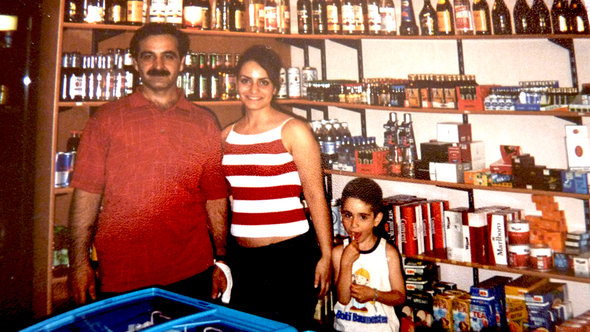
348,18
174,12
444,21
463,20
270,19
480,23
134,11
158,11
333,21
374,18
388,23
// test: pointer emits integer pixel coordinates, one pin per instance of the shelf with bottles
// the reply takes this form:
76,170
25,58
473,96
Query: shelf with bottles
440,256
460,186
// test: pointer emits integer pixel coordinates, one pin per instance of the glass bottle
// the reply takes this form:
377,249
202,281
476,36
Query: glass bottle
204,89
373,17
116,12
283,17
304,18
481,17
428,22
222,15
388,19
360,16
348,23
501,18
94,12
174,12
560,17
157,11
319,17
256,16
408,25
444,15
463,17
135,12
271,12
333,15
541,18
73,11
578,18
522,17
237,19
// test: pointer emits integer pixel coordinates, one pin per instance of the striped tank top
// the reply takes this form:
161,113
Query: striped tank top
265,186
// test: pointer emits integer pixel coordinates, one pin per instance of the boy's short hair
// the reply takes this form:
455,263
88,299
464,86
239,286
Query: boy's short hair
367,191
155,29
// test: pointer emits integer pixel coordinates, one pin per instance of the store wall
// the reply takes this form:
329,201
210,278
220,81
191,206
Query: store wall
503,62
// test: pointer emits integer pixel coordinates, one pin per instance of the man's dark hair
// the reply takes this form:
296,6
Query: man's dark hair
367,191
268,59
154,29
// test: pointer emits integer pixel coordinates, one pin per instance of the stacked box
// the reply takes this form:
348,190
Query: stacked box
574,181
461,313
488,304
516,311
392,207
540,305
443,310
456,219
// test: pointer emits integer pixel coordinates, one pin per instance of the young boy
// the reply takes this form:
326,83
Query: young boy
367,269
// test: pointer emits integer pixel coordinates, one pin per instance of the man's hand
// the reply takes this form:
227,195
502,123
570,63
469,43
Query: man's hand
81,281
219,283
322,276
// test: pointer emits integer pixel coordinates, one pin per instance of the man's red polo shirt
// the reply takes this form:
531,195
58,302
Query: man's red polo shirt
155,169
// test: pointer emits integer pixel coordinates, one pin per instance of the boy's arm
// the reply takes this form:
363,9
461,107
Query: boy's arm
342,274
397,295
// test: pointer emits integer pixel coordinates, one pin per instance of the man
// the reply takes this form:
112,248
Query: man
149,189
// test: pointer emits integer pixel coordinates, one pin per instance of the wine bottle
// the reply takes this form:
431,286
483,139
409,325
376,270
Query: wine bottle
541,18
283,17
348,24
319,17
304,17
237,18
255,15
333,16
408,25
360,17
73,11
444,15
427,18
522,17
578,18
560,17
463,17
501,18
373,17
481,17
222,15
388,23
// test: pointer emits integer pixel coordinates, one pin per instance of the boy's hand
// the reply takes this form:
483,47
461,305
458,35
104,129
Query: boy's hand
352,252
362,293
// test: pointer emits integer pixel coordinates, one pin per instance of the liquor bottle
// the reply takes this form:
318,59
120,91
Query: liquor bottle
501,18
560,17
408,25
90,68
271,16
94,12
334,18
444,16
157,11
283,17
229,79
541,18
388,20
73,11
204,80
131,75
373,17
390,131
256,16
222,15
360,17
116,12
73,141
348,19
578,18
135,12
481,17
214,77
237,19
187,77
192,15
522,17
304,17
174,12
319,17
66,61
463,17
76,79
428,20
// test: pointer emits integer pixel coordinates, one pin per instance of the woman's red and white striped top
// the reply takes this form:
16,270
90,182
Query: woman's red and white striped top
265,186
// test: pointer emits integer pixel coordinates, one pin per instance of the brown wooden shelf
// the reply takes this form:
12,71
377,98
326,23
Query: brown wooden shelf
63,191
440,257
560,112
122,27
462,186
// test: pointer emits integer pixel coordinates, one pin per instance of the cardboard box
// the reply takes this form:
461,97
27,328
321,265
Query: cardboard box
577,146
455,218
516,310
435,151
453,132
450,172
471,151
574,182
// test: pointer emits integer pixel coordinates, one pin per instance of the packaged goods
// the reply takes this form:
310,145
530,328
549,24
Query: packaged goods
461,316
490,291
516,310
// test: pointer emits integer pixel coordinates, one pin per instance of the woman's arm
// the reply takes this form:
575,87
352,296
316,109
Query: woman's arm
299,141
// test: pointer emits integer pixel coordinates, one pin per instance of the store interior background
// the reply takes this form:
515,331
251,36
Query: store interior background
494,61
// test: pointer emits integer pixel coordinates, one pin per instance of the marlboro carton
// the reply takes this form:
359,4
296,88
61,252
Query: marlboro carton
497,235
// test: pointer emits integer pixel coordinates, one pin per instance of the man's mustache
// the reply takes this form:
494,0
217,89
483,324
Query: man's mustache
158,72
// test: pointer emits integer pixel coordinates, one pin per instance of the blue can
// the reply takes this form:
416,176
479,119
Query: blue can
64,167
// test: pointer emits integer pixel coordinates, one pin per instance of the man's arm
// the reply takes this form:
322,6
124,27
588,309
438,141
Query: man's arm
83,212
217,224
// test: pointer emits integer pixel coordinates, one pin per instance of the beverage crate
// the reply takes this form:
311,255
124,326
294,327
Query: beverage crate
374,165
154,309
477,104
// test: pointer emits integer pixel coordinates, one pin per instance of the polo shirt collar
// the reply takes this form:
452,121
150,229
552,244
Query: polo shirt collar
138,100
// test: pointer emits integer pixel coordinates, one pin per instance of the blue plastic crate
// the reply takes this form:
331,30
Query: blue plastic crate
155,309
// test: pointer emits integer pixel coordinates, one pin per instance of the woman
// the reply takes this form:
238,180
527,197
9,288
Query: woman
270,158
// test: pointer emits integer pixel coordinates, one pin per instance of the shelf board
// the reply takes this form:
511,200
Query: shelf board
462,186
440,257
63,191
320,37
561,112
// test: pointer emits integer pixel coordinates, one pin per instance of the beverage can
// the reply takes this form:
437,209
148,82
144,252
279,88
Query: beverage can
541,257
64,166
308,74
518,255
294,82
283,84
518,232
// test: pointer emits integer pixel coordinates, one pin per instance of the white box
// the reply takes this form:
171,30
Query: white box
582,265
577,146
471,151
453,132
454,233
451,172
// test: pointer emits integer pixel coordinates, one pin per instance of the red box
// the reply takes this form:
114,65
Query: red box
377,167
477,104
437,209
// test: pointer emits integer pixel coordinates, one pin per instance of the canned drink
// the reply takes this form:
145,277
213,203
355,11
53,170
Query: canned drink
518,232
308,74
518,255
64,166
294,82
283,84
541,257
